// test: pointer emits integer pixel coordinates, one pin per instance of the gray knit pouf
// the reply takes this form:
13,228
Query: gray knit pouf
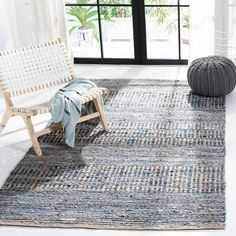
212,76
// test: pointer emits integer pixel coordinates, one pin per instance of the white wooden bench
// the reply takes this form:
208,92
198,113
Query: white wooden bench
35,68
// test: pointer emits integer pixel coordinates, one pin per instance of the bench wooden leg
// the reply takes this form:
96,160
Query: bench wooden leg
33,136
99,109
6,116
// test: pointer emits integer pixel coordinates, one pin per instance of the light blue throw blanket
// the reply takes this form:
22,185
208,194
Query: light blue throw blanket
66,106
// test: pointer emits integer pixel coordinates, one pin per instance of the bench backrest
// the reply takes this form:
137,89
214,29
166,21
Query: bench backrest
34,68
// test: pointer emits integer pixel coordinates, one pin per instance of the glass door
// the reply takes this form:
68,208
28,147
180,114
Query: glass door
167,31
101,30
129,32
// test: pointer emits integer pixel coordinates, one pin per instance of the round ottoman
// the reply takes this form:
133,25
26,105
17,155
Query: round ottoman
212,76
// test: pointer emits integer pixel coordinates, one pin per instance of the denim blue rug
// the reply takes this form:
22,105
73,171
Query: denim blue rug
160,167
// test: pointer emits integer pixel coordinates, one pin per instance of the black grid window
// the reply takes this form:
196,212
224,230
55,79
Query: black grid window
129,32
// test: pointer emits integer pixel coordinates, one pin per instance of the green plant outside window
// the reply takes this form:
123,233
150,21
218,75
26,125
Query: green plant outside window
86,17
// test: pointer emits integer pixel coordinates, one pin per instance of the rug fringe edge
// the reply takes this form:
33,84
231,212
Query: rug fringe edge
109,227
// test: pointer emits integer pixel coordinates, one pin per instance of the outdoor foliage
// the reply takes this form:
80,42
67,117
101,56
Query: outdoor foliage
86,17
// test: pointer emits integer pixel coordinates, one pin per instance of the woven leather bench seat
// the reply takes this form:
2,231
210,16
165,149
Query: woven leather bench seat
45,107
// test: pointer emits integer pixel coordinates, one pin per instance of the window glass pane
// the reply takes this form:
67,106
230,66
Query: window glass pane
162,32
83,31
184,22
116,2
81,1
161,2
117,32
184,2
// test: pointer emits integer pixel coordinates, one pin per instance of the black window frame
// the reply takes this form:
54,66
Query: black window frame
139,31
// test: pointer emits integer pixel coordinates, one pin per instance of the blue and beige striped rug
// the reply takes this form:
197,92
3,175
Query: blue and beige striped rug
160,167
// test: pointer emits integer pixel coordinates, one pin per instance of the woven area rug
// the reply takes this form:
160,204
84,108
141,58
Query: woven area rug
160,167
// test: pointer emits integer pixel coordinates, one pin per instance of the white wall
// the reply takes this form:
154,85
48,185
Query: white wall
202,28
213,28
